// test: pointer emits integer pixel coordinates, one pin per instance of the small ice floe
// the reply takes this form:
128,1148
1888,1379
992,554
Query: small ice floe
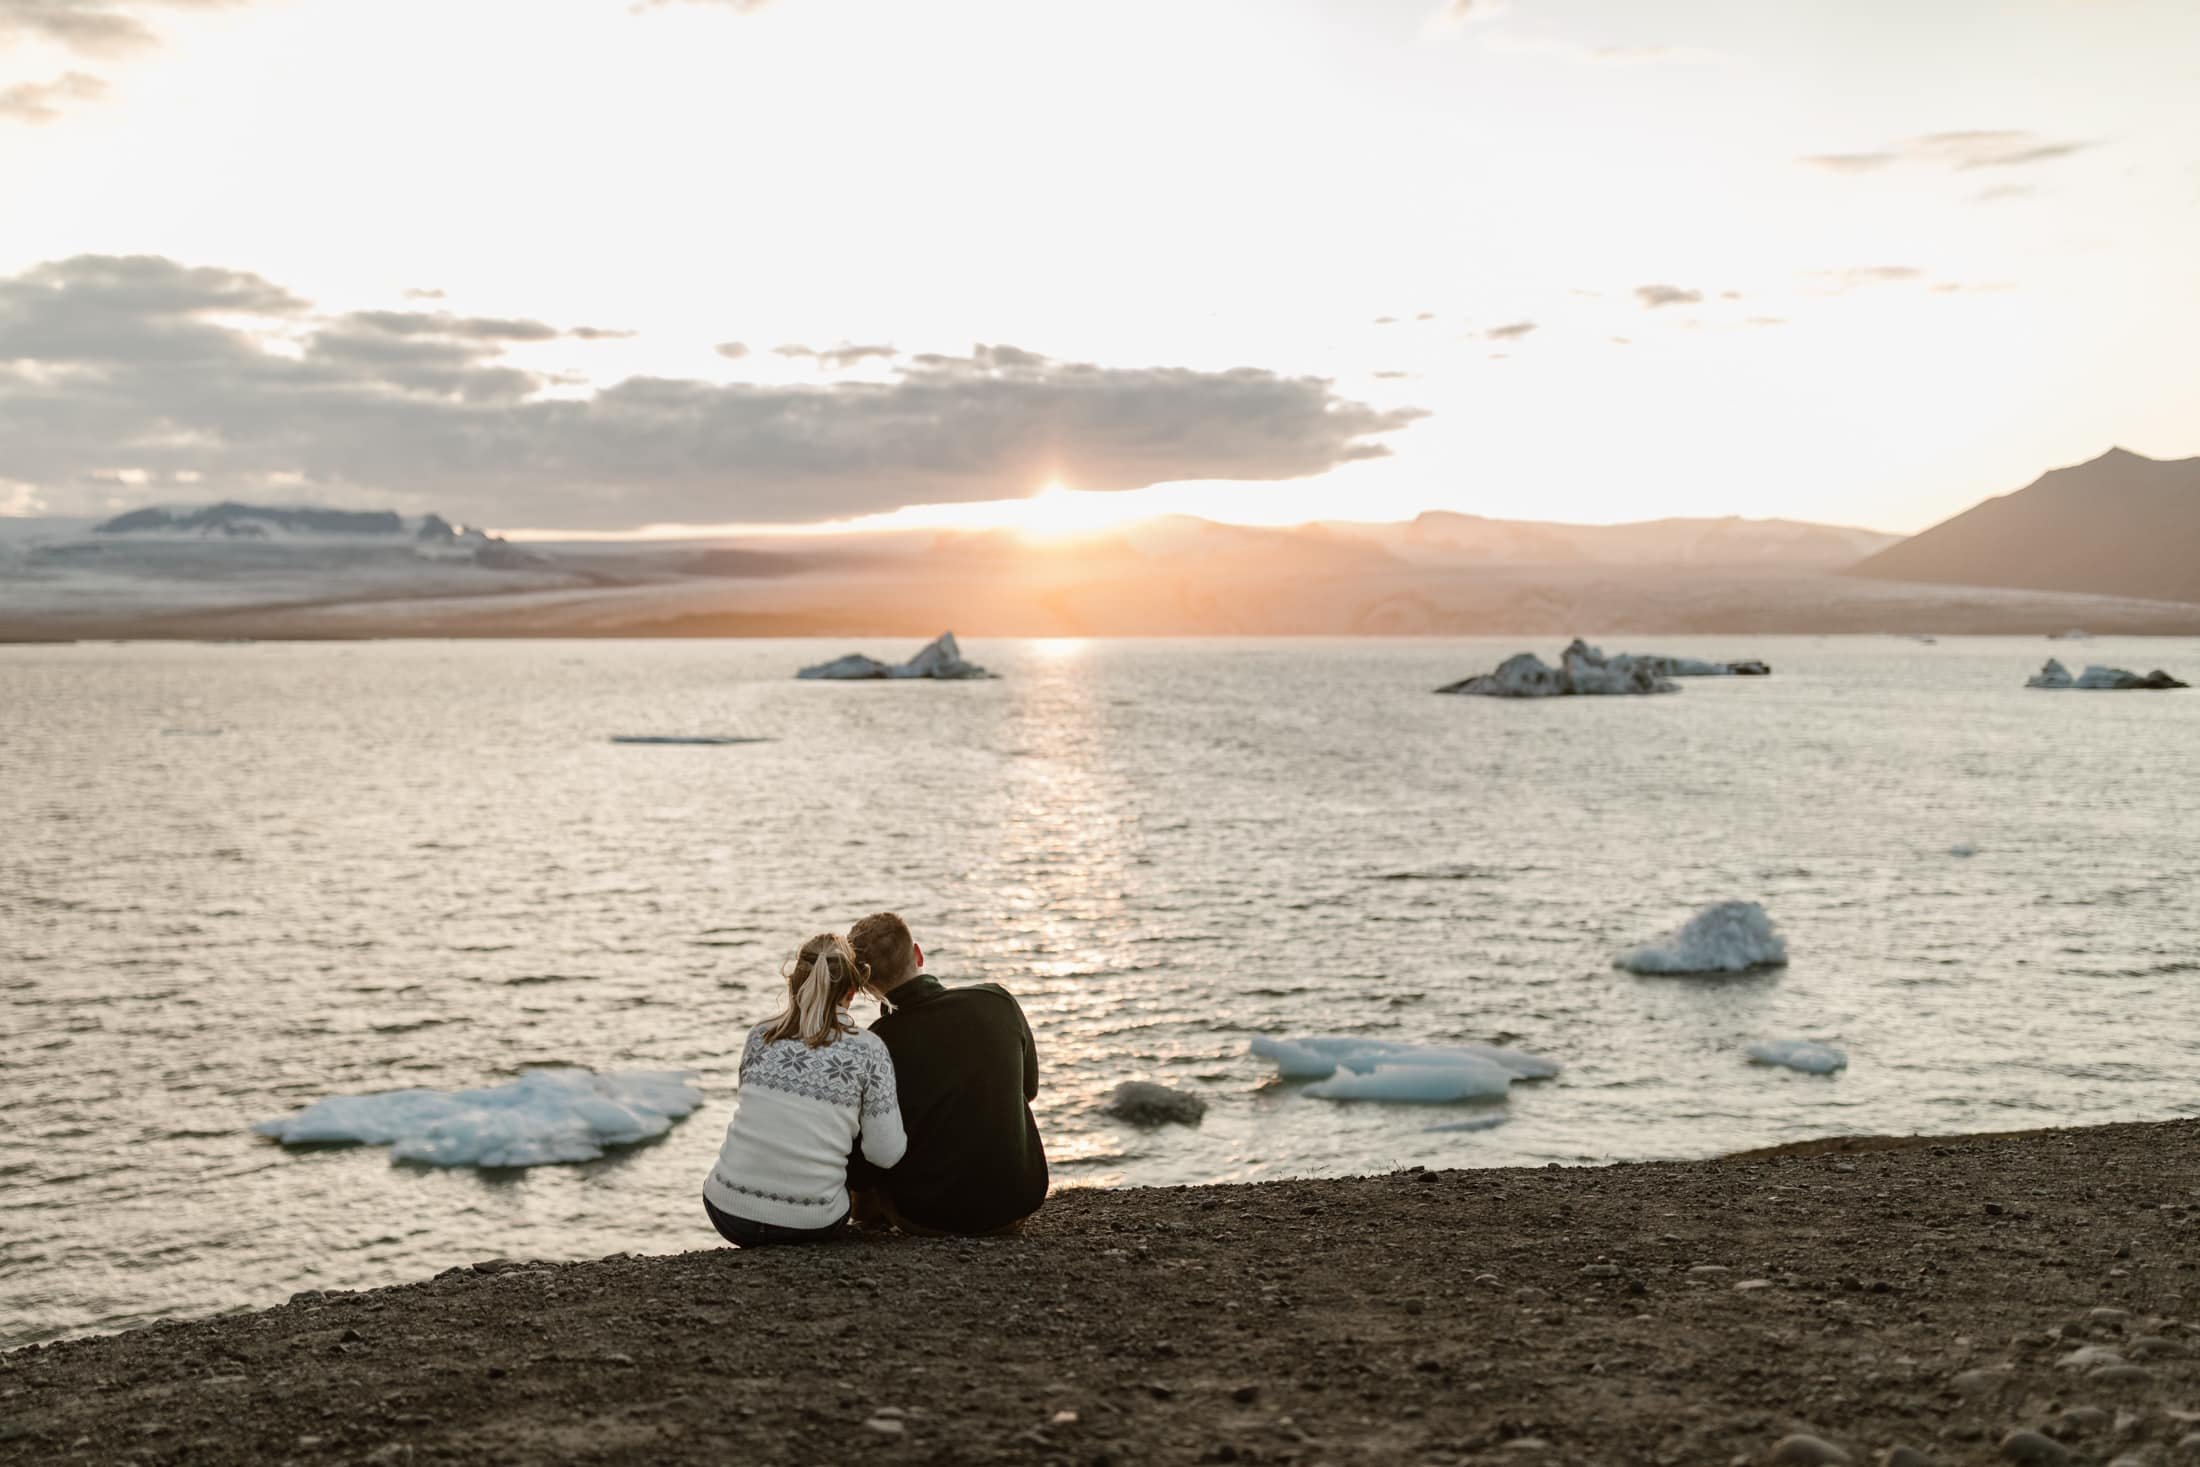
2075,634
1348,1067
712,740
1318,1056
1661,665
545,1117
1963,848
1807,1055
941,659
1725,937
1582,671
2097,679
1143,1103
1465,1079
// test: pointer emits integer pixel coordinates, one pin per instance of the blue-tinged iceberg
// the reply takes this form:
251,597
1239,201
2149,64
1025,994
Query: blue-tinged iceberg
1807,1055
546,1117
1725,937
1349,1067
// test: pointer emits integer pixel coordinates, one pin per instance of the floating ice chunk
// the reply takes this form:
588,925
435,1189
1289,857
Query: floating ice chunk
941,659
1806,1055
1318,1056
1963,848
545,1117
1422,1084
2098,679
1725,937
1661,665
1582,670
854,666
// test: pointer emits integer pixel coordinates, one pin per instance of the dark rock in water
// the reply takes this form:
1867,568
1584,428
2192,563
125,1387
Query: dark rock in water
1143,1103
1750,668
942,660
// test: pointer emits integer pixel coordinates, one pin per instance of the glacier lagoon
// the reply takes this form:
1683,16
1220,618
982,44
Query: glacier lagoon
240,879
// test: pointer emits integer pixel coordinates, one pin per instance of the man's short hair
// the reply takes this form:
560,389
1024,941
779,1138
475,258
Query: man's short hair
883,945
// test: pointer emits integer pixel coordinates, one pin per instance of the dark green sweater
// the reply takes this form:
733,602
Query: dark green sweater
966,1070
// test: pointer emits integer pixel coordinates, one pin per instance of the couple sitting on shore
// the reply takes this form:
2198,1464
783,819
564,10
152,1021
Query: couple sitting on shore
923,1122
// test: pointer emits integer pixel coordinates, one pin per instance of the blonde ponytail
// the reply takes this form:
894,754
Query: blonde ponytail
821,978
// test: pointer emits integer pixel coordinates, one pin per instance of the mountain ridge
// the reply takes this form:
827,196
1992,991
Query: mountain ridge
2120,524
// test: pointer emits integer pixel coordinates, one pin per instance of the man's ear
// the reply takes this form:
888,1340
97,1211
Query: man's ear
917,948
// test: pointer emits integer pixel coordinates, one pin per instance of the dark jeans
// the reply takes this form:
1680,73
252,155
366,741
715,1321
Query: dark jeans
745,1234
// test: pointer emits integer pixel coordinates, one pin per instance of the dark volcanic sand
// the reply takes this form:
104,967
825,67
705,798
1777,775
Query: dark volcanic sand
1924,1295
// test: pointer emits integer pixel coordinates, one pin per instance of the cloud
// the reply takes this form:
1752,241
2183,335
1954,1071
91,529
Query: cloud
1957,151
732,351
91,27
38,103
1512,332
423,293
838,357
102,28
1655,296
88,27
1855,276
146,365
2003,191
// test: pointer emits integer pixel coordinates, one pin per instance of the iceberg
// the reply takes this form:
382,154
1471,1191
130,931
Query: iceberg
1806,1055
1661,665
1347,1067
1427,1084
1318,1056
1582,671
2097,679
546,1117
1725,937
941,659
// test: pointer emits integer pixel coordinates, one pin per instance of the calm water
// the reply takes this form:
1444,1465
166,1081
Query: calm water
237,878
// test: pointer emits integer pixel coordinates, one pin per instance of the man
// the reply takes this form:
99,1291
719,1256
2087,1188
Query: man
967,1071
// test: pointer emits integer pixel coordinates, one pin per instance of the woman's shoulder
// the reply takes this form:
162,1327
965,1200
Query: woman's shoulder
864,1042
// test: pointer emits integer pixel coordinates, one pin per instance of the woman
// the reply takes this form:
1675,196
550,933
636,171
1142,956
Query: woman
813,1086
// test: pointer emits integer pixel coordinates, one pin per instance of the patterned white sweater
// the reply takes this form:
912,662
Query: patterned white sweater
800,1113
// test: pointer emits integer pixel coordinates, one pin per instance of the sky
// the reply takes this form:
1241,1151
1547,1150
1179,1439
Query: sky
614,267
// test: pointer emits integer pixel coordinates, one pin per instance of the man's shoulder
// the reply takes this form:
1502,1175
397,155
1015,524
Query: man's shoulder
951,998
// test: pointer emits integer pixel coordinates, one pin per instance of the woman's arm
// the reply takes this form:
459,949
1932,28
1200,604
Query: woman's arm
883,1139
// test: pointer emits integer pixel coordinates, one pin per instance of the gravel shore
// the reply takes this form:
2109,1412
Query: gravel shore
2027,1298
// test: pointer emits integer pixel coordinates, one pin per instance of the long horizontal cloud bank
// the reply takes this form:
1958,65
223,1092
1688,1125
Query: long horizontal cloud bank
139,380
